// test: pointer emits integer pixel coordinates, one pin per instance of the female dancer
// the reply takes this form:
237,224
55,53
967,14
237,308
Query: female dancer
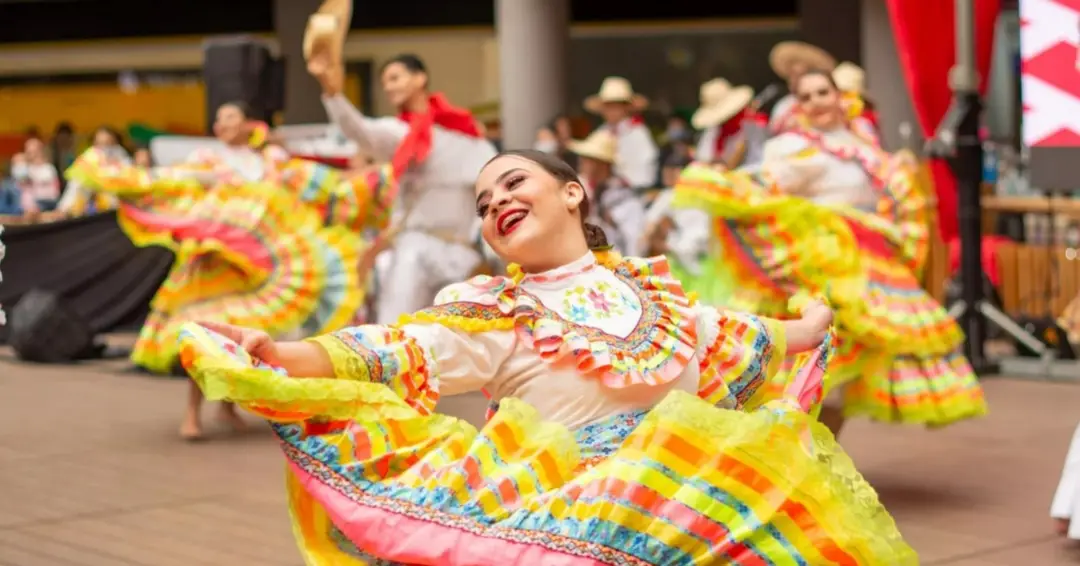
617,435
77,201
832,213
268,241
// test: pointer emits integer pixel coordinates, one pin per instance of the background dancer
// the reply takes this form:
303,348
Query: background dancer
850,221
789,60
731,135
621,107
435,150
268,240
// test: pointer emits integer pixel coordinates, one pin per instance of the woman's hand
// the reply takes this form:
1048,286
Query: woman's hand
795,177
809,331
255,342
818,316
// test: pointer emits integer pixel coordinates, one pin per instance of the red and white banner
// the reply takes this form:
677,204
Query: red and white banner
1050,72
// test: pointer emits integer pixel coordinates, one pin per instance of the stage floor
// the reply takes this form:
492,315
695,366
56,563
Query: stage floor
92,473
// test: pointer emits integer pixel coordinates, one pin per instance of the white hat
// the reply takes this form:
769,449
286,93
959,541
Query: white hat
328,28
615,89
719,102
849,77
787,54
601,145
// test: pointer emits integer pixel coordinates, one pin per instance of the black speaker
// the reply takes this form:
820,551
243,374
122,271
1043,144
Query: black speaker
45,330
242,69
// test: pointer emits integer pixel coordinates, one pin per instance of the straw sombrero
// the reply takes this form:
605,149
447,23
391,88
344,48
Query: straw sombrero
849,77
787,54
615,89
601,145
719,102
327,29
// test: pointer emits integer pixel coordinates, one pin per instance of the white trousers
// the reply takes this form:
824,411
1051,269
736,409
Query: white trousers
415,269
1066,503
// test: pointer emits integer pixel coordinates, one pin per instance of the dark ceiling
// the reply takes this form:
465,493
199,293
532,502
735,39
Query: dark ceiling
63,20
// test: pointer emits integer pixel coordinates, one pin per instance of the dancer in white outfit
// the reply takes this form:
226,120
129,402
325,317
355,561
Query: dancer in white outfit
730,134
436,151
1066,503
637,160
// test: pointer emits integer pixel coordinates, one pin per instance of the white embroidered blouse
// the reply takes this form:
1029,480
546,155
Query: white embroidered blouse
580,343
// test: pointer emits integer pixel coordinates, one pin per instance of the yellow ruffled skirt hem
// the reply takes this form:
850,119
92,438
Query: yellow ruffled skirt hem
683,483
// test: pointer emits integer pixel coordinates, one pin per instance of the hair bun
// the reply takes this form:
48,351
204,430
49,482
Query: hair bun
595,237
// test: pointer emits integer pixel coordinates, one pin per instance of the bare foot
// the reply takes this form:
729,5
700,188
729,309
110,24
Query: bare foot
230,417
1061,526
191,430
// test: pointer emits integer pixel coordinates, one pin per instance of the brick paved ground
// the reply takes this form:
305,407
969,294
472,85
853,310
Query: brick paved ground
92,473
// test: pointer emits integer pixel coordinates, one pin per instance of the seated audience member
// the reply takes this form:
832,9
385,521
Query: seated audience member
36,177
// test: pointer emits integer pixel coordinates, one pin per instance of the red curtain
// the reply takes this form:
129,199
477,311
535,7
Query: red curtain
926,42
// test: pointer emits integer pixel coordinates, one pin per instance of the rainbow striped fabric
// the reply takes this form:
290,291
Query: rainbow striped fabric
376,480
254,254
898,348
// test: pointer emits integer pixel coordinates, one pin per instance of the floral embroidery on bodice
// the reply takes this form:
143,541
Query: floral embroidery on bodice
596,298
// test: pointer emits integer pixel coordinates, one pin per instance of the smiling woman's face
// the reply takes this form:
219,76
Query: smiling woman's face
526,211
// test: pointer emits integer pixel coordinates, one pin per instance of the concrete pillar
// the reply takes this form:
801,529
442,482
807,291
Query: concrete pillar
884,76
533,38
302,92
833,25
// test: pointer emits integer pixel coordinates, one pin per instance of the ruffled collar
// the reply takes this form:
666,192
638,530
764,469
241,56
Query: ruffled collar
653,351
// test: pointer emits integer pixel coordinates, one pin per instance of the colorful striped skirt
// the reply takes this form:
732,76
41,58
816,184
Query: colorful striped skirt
899,354
257,254
682,483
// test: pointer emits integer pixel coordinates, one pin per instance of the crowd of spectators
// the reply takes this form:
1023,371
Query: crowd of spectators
34,187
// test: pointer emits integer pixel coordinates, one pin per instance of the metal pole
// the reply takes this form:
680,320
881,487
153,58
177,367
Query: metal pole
964,76
967,165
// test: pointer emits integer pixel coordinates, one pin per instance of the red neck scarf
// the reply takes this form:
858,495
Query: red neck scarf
414,149
734,125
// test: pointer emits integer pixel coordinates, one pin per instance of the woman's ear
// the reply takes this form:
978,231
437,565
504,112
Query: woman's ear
575,193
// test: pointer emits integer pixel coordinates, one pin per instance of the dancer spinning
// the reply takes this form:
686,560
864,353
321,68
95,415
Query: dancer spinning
268,241
597,450
834,214
435,150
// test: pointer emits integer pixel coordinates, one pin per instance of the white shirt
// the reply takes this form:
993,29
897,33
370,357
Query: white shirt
438,194
627,213
637,157
831,180
751,134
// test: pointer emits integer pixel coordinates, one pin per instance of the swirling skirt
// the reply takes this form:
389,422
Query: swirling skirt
899,355
251,255
372,481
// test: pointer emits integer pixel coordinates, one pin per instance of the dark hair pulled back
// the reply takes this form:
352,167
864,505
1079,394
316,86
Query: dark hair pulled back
813,73
564,173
